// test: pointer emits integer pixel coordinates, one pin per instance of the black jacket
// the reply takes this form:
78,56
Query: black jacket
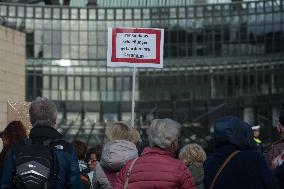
247,169
279,173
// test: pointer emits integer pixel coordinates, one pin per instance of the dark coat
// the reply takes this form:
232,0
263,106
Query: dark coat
66,159
279,173
247,169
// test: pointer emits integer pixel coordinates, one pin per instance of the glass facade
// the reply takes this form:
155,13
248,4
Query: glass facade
219,59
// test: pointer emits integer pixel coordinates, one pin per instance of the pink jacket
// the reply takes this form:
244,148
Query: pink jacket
115,155
156,169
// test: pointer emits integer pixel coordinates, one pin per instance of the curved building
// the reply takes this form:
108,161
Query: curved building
223,58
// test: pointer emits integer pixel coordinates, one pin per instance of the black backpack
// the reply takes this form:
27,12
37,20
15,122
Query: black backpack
85,178
36,165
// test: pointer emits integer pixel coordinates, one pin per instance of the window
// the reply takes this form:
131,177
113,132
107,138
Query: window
54,82
94,84
118,83
62,83
46,82
110,84
78,83
102,83
126,83
86,83
70,83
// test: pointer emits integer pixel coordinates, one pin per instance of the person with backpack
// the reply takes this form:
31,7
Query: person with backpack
44,160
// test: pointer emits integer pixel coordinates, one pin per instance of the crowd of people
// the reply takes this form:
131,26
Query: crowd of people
43,159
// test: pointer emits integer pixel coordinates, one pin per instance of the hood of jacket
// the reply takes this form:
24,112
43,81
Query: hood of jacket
116,153
230,130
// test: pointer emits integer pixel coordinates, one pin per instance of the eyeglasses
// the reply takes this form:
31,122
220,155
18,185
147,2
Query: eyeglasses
92,160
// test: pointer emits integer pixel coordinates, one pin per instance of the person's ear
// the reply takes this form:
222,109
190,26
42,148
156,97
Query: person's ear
174,146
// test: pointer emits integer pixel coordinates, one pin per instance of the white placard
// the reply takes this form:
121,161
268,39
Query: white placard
139,47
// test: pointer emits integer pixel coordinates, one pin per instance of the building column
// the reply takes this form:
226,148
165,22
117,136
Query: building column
275,115
212,85
248,115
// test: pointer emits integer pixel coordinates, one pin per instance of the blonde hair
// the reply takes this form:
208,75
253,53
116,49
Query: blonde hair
122,131
192,154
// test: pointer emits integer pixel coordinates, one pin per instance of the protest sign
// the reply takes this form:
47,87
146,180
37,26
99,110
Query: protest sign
135,47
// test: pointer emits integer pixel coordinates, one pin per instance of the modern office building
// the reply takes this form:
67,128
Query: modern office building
220,58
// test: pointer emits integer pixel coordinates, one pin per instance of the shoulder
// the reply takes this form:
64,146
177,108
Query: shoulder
242,156
276,144
173,164
101,176
251,159
15,148
99,170
252,154
178,163
211,159
62,145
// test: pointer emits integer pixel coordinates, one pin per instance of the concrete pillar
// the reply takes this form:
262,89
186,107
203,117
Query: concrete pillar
273,89
248,115
212,85
275,115
264,88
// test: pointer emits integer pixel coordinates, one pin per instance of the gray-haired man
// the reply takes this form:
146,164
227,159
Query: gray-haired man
43,160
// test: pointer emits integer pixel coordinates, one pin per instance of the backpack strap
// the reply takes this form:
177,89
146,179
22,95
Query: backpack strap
47,142
28,141
222,167
16,148
129,173
54,172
